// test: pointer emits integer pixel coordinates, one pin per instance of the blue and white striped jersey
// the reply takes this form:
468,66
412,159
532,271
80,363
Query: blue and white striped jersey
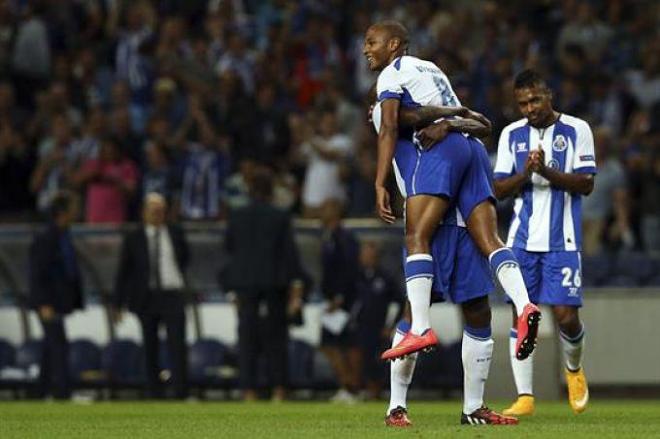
415,83
546,218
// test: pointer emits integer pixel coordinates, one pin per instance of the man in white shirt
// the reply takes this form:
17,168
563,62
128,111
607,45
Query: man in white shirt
150,281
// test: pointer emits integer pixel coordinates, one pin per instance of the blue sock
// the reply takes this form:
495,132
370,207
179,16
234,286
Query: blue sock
484,333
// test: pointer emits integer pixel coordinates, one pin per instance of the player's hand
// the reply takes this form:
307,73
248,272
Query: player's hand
538,161
383,205
475,115
433,134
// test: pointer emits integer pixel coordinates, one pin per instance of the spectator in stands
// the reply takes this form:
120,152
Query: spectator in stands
325,150
55,292
339,274
150,281
16,164
110,183
204,168
55,163
376,290
609,199
264,272
159,175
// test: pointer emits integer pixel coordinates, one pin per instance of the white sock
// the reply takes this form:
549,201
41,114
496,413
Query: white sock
476,354
401,373
572,349
506,268
419,280
523,371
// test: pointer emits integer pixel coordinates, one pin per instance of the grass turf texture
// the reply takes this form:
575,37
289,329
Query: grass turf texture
606,419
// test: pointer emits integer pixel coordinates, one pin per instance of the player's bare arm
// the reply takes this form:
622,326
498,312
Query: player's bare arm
421,117
577,183
437,131
387,136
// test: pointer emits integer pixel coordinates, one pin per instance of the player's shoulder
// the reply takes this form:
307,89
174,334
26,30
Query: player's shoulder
576,122
520,123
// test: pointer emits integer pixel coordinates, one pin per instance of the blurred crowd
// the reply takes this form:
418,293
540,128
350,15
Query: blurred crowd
117,98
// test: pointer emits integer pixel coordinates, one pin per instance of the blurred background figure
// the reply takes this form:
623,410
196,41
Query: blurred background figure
376,291
150,281
55,292
339,275
606,210
264,272
325,150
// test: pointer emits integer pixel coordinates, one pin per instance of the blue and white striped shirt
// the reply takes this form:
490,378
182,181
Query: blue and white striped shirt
546,218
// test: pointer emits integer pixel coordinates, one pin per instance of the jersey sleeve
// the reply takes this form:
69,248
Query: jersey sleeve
505,164
388,85
584,160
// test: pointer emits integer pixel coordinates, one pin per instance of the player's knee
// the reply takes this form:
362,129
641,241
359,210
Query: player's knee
477,312
567,319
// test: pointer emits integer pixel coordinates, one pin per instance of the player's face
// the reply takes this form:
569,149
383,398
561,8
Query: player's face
376,48
535,103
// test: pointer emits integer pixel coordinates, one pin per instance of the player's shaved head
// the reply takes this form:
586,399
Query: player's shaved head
393,29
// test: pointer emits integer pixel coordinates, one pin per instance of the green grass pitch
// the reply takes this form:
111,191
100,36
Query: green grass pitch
132,420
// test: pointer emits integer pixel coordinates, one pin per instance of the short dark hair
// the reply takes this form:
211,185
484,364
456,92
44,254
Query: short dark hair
529,78
395,30
60,203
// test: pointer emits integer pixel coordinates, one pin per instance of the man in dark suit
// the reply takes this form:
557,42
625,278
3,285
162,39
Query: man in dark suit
150,280
55,291
265,273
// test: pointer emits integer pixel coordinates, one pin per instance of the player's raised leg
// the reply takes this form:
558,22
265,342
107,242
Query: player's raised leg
482,225
571,339
476,353
423,214
401,373
523,376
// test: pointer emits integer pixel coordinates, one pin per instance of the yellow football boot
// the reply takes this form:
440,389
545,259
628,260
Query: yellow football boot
524,406
578,392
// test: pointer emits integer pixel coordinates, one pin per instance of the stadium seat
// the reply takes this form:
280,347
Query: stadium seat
29,354
596,269
123,363
636,265
301,364
7,354
85,362
206,357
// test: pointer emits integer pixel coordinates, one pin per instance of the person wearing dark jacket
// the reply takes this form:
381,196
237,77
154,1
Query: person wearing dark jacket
264,272
339,274
376,291
55,292
151,282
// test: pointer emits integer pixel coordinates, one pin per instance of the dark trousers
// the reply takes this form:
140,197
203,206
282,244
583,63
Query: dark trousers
54,373
262,328
167,308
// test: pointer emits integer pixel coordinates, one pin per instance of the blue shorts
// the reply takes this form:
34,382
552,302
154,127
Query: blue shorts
457,168
552,278
460,271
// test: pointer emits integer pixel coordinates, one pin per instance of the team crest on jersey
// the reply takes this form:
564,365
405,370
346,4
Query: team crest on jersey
520,147
553,164
560,143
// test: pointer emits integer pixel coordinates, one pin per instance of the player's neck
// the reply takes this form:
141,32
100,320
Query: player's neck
395,55
552,118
